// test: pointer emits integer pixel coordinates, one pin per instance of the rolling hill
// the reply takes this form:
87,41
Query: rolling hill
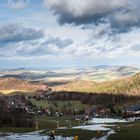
96,73
8,85
127,86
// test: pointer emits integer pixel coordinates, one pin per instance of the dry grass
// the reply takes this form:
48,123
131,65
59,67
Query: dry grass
129,86
14,84
11,91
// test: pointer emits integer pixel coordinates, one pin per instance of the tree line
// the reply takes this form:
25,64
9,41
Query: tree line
11,116
93,98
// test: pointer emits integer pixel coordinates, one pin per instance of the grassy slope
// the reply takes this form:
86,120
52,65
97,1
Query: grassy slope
50,124
128,86
11,91
127,132
9,85
16,129
60,105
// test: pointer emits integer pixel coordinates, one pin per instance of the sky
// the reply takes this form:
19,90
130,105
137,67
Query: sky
69,33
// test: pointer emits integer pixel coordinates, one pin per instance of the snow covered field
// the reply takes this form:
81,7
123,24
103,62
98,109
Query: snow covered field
32,136
106,120
100,124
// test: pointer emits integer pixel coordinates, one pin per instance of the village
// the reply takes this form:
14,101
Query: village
23,104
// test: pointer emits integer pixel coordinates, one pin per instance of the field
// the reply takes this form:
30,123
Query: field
11,91
127,132
16,130
61,106
51,124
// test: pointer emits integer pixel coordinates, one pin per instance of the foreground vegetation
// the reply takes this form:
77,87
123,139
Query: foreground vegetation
16,129
82,134
127,132
51,123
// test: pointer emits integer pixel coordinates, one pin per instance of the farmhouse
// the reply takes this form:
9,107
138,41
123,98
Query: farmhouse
132,110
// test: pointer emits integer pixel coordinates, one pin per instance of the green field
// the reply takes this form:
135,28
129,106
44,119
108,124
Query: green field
60,106
82,134
129,131
50,123
16,129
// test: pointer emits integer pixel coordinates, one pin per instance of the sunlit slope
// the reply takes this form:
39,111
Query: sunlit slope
8,85
98,74
130,86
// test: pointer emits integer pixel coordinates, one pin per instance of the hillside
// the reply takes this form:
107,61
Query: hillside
129,86
97,73
14,84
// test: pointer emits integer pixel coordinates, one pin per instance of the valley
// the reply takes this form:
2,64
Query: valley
62,99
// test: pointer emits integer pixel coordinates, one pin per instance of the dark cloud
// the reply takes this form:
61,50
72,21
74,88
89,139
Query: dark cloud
121,14
17,33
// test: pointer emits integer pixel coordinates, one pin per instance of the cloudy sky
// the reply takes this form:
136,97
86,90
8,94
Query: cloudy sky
69,33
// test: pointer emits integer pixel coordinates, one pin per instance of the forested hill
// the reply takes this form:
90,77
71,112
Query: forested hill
127,86
21,85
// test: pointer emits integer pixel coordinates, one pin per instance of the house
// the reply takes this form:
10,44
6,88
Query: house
132,110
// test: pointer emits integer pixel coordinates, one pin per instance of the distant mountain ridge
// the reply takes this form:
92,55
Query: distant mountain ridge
97,73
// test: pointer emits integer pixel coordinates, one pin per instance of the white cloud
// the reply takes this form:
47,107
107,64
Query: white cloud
17,4
124,44
83,37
